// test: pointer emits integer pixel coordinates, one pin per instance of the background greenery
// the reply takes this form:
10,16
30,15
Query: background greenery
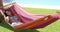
54,27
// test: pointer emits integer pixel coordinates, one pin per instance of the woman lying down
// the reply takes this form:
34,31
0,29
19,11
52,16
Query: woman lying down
13,19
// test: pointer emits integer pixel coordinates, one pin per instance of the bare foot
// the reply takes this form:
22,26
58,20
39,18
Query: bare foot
58,12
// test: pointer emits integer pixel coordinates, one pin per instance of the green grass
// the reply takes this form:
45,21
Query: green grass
41,11
54,27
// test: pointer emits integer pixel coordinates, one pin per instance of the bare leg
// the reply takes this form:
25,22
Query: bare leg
56,15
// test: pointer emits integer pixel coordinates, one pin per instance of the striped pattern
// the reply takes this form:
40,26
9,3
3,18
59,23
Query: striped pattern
29,21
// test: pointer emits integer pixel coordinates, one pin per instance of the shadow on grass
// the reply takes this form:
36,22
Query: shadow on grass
5,25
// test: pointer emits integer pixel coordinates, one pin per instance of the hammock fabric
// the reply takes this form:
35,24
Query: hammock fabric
29,21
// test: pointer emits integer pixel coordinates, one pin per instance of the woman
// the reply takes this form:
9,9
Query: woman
14,19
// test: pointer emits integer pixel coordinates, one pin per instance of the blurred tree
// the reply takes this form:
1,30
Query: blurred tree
1,3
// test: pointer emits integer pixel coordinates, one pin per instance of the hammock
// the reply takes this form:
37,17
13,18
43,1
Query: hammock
29,21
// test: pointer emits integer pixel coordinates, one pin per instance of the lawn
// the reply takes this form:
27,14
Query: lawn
54,27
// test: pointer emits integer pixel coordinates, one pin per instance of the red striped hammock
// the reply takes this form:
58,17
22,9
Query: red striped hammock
30,21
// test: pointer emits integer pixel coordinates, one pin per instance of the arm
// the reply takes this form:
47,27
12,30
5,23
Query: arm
7,19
